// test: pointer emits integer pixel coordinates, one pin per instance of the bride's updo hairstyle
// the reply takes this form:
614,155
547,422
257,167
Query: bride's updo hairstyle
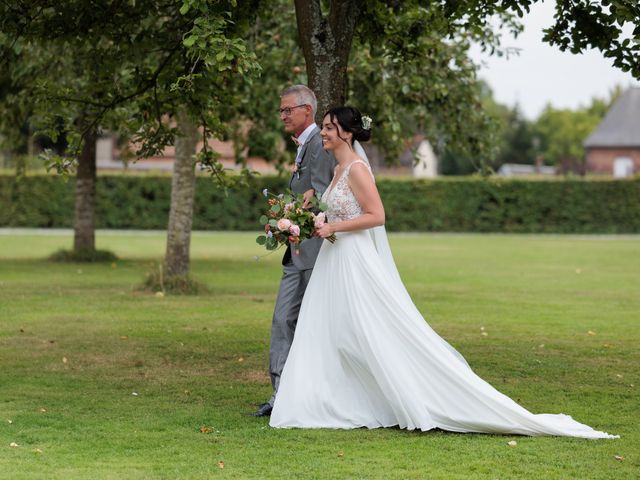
350,119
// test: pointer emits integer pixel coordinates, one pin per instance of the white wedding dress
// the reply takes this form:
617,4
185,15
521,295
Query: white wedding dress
363,355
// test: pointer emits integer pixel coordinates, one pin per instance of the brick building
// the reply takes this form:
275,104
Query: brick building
108,157
614,146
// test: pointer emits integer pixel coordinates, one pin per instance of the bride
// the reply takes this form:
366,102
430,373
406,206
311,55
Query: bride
363,355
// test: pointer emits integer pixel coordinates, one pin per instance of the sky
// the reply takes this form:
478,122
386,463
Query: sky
541,74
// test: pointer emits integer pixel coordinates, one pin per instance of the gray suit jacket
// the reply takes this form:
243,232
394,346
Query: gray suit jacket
314,171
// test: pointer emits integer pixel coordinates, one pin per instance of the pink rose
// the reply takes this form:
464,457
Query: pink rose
294,230
284,224
288,207
319,220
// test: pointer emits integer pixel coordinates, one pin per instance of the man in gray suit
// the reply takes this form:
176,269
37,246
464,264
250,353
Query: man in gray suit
312,175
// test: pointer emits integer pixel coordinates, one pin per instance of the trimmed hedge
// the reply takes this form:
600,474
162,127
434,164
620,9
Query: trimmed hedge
447,205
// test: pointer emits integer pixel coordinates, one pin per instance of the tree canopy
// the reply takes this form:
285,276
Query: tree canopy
129,66
403,62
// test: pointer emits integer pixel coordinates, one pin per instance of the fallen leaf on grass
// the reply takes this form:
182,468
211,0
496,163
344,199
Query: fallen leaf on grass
10,421
618,375
206,429
484,334
64,360
591,332
512,443
14,445
43,410
220,464
135,394
159,294
340,454
620,458
241,359
37,450
123,337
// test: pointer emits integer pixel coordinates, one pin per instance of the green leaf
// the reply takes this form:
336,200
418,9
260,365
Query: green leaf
261,240
275,208
184,8
189,41
271,243
264,220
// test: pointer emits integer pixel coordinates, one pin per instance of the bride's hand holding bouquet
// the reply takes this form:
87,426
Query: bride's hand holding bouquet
324,229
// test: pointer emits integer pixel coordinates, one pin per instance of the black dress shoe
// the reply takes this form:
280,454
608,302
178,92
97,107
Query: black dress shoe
263,410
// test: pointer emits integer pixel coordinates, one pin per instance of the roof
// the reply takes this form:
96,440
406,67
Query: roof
621,125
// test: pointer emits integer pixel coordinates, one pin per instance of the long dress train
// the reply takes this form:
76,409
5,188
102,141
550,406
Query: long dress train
363,355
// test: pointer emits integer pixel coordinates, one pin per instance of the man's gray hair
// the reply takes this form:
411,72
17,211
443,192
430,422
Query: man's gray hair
304,96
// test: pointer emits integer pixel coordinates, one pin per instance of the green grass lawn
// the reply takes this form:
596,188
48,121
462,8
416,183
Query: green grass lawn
99,380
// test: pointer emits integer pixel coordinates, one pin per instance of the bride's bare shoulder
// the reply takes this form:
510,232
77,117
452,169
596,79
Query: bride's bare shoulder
360,173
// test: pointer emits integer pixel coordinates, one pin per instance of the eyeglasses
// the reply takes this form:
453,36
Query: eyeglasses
286,111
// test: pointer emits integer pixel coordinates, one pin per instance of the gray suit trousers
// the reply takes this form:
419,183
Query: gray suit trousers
285,317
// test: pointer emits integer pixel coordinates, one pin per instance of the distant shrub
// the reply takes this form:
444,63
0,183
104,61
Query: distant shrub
156,281
442,205
83,256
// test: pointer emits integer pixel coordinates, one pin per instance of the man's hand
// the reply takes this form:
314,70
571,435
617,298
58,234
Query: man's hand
307,195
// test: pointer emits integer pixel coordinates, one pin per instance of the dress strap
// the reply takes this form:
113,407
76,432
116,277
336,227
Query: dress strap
348,169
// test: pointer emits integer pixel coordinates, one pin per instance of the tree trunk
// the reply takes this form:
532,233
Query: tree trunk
326,44
176,261
84,224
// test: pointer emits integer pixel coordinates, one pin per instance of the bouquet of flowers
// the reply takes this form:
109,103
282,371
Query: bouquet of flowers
287,222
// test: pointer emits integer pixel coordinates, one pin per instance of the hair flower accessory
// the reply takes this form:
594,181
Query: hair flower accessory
366,122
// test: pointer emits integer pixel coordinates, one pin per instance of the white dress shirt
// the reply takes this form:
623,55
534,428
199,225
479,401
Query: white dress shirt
302,138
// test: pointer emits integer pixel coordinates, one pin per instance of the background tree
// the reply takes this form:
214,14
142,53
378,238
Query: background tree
555,137
151,70
580,25
154,69
431,38
562,132
406,64
400,71
254,122
518,140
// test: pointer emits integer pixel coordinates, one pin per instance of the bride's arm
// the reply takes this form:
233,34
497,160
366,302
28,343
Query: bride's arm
366,193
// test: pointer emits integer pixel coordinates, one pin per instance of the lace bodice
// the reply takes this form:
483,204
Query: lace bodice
341,202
